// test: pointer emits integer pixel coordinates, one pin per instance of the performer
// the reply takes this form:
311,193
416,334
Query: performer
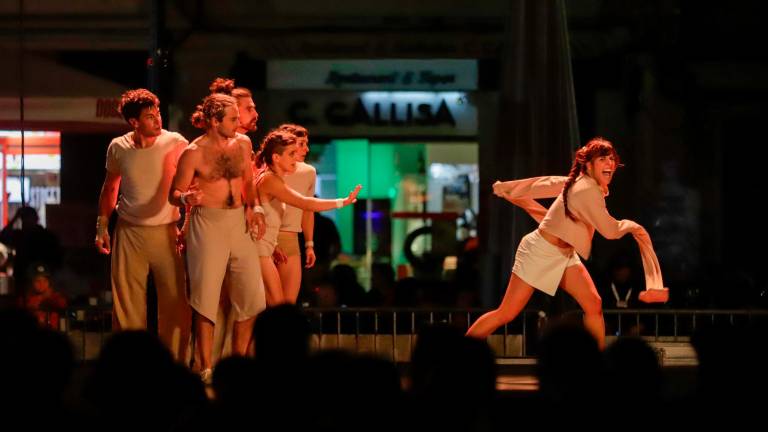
278,158
222,342
548,257
245,105
140,165
287,253
214,176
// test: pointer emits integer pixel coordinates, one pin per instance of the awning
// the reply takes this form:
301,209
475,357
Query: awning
34,143
65,114
58,98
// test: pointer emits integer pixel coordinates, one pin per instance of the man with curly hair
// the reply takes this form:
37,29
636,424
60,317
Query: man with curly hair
215,179
245,105
140,166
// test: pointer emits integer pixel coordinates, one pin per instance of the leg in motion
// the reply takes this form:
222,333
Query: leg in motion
517,296
578,283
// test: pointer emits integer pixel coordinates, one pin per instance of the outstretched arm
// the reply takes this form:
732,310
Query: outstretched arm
533,208
655,291
523,193
534,188
589,205
277,188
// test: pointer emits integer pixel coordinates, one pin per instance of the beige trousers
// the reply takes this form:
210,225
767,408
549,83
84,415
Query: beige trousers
136,251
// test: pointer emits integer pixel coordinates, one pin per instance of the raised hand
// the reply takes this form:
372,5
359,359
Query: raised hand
352,198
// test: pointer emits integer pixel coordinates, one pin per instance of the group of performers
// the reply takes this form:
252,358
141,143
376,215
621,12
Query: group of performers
245,209
244,212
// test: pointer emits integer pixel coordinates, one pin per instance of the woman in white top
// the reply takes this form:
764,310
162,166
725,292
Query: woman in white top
548,257
295,220
277,159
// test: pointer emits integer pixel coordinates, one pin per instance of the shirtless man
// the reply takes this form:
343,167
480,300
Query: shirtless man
214,177
222,342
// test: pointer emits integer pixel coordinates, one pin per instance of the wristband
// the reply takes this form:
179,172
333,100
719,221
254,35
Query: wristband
258,209
309,244
102,222
340,203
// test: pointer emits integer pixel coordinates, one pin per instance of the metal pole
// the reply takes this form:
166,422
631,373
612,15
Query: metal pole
157,61
21,99
5,184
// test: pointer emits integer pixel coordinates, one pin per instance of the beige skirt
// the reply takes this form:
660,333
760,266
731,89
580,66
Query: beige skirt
218,241
541,264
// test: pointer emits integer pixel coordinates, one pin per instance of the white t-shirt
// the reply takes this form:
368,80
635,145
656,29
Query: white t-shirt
146,176
303,182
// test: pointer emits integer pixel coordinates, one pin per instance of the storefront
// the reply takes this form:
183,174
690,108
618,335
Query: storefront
40,182
47,120
407,130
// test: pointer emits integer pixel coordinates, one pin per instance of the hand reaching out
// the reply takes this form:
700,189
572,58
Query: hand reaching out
352,198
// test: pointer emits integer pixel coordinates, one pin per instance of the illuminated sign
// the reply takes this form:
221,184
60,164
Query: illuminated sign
378,113
394,74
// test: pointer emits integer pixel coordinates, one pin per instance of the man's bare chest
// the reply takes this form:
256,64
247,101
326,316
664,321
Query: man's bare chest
222,164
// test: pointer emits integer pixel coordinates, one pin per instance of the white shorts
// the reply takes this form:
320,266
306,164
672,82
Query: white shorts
541,264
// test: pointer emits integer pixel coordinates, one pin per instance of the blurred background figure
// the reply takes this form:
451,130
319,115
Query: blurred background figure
5,284
620,287
32,244
40,298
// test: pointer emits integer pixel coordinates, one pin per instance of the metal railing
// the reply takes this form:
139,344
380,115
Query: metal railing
392,332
